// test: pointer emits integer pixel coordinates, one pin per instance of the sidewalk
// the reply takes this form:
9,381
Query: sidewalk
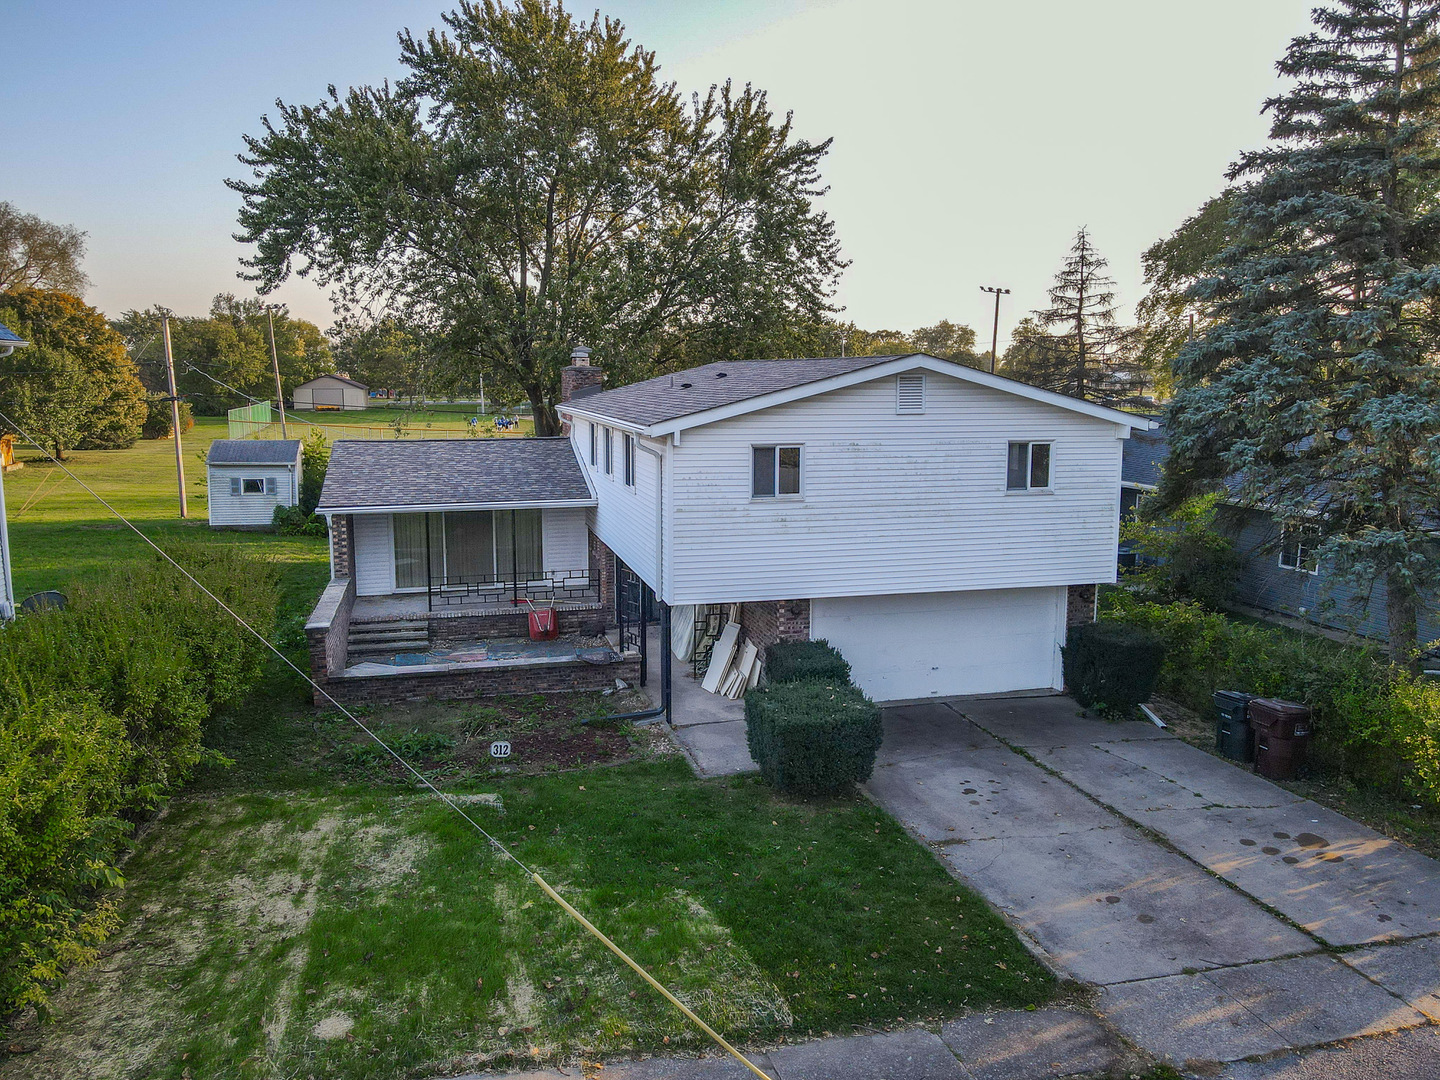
1046,1044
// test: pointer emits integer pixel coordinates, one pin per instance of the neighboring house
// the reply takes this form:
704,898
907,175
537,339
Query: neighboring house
1279,571
246,479
940,525
330,392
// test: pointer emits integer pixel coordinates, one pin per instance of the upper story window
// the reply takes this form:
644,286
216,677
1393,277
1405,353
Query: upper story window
629,461
910,393
1028,467
609,452
1297,548
774,471
594,438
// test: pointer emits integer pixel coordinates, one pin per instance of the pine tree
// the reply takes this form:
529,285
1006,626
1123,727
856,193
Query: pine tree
1085,352
1315,388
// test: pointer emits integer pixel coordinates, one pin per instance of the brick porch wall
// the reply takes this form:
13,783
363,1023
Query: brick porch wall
602,558
327,631
342,529
480,682
1079,605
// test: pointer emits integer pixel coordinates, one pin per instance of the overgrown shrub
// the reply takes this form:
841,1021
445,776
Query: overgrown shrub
797,661
294,521
1111,665
102,707
314,463
812,738
158,422
1374,722
1183,555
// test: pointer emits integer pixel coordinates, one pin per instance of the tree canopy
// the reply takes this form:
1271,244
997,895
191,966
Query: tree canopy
37,254
1313,383
531,184
75,387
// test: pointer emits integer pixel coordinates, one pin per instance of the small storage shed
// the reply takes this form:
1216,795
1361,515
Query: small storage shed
249,478
331,392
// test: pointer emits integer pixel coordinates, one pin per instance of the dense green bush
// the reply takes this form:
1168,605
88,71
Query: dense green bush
294,521
1182,555
797,661
1373,722
1111,665
314,463
102,707
159,424
812,738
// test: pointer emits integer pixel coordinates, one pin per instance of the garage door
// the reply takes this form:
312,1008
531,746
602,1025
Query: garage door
938,644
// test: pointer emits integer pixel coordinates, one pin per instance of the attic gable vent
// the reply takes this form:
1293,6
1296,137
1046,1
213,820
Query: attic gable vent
910,393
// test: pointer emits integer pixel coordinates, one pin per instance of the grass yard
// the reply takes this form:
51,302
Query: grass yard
306,911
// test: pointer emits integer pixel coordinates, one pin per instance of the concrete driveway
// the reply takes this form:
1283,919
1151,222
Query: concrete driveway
1145,866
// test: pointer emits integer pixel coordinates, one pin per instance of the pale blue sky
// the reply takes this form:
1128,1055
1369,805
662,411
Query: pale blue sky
971,138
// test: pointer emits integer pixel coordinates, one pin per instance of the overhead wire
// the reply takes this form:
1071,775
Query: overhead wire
495,844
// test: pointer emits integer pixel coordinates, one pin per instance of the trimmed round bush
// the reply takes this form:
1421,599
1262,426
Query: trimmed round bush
802,661
1112,665
812,738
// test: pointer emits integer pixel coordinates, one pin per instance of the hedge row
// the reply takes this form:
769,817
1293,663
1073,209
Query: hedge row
1374,723
102,707
810,732
1111,666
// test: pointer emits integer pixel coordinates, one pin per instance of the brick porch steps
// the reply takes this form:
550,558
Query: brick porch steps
386,639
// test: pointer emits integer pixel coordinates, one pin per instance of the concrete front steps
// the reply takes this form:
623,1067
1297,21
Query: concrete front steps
386,639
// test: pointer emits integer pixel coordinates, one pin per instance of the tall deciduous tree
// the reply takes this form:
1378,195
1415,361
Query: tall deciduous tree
531,185
1317,384
76,379
37,254
1085,351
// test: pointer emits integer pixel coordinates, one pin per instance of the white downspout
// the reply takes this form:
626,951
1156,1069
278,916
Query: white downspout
659,519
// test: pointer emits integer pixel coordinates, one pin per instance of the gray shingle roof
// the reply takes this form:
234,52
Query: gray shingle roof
1143,458
452,472
253,452
711,386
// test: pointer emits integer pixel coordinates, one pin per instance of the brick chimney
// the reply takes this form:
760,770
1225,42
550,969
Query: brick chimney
580,379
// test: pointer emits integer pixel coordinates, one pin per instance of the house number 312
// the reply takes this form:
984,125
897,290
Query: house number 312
500,749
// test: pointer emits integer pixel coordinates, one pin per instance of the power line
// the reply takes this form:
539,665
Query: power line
451,803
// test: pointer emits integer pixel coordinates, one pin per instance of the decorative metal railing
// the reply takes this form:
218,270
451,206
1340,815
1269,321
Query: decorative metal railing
547,587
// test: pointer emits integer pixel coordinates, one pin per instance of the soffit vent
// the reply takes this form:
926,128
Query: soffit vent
909,393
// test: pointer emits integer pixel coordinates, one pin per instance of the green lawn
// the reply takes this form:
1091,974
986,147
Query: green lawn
303,912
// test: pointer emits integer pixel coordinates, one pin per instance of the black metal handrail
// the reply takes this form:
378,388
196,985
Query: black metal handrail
543,587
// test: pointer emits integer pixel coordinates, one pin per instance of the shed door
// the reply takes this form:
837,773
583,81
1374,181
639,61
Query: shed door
921,645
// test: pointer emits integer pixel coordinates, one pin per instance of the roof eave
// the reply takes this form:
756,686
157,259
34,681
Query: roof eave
431,508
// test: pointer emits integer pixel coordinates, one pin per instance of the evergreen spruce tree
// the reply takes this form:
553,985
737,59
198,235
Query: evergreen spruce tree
1316,387
1085,352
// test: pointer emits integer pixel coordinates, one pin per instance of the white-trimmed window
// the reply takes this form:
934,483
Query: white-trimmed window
609,452
252,485
1027,467
1297,548
594,438
629,459
774,471
910,393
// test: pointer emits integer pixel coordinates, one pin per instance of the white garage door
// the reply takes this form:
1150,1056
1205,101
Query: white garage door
937,644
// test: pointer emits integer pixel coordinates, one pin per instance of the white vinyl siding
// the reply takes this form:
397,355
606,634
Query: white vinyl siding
891,507
565,546
626,517
229,503
327,392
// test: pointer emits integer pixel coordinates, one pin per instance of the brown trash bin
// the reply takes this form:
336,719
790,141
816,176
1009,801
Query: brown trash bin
1282,732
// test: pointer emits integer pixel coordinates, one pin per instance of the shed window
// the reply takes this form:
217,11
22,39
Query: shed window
1297,548
775,470
1027,467
252,485
910,393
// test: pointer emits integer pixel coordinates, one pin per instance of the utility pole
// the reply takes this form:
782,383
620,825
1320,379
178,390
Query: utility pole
175,417
995,331
275,361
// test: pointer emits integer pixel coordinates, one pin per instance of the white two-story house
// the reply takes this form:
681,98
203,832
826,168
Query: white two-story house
941,526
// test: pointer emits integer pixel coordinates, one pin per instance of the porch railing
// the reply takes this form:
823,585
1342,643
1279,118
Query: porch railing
546,587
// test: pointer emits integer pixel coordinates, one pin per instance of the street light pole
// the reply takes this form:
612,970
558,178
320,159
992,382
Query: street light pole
995,331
